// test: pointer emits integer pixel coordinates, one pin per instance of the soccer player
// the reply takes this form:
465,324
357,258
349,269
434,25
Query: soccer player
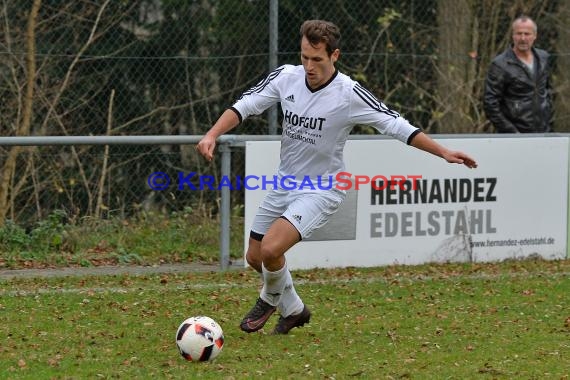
320,107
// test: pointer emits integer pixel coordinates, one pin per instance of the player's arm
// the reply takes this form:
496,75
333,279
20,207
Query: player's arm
426,143
225,123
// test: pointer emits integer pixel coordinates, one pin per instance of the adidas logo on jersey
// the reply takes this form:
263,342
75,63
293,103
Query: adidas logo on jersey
290,98
297,218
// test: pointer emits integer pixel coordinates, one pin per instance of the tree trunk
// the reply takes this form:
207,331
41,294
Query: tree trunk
454,66
23,129
561,78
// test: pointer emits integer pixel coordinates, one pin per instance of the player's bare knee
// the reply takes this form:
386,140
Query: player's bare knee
270,253
254,260
253,254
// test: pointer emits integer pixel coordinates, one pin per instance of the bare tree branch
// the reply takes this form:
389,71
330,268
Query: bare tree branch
70,69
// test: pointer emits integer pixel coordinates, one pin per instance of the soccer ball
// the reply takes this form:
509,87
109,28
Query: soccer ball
199,339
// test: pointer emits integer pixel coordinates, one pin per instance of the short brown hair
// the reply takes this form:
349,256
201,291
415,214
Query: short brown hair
318,31
523,18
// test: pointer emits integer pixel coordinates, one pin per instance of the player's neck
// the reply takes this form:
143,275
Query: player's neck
330,75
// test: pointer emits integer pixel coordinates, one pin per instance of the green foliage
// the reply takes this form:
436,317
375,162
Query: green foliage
150,238
48,235
13,237
388,17
477,321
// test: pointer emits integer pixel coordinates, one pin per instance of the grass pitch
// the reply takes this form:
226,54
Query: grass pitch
473,321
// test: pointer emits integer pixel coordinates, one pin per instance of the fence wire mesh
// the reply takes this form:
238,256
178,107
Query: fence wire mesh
170,67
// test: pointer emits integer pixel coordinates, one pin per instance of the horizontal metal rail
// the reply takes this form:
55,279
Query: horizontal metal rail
226,142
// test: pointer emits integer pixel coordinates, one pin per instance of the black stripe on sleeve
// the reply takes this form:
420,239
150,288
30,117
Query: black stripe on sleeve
414,134
261,85
374,103
237,113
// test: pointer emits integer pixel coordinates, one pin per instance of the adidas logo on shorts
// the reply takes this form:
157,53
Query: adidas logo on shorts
290,98
297,218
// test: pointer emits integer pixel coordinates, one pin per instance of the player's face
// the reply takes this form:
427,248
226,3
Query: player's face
523,36
319,66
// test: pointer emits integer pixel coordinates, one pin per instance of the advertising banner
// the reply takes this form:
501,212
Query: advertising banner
405,206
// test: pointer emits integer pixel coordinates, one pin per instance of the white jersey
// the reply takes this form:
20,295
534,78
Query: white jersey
317,122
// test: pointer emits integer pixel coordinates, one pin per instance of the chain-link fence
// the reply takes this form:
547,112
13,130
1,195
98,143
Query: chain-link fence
157,67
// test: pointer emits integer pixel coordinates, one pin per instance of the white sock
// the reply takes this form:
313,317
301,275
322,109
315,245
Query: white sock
273,284
290,302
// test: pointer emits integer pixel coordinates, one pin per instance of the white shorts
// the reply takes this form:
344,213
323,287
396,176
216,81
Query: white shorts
307,211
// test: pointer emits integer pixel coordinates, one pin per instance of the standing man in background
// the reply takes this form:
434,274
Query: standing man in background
518,95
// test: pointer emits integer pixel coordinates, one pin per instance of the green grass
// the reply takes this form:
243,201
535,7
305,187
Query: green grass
481,321
148,239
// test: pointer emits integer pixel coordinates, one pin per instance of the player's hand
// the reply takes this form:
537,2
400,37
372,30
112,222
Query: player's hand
455,157
206,147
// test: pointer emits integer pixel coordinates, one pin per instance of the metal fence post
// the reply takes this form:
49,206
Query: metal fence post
273,59
225,207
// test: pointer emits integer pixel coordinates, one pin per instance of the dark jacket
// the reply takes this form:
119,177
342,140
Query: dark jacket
515,101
